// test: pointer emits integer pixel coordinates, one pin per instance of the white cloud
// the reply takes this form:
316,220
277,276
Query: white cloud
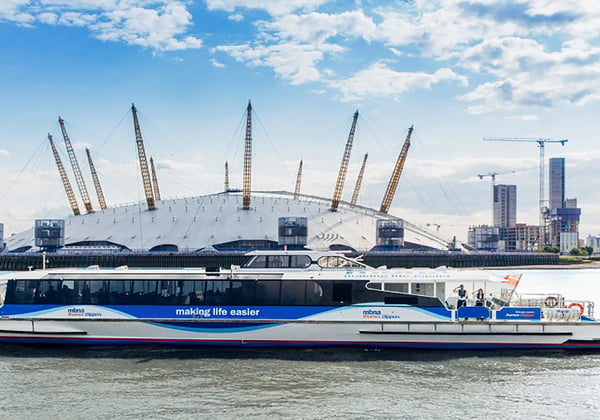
316,28
10,10
236,17
380,80
48,18
296,63
273,7
528,74
4,153
517,51
216,63
75,19
159,25
524,117
152,28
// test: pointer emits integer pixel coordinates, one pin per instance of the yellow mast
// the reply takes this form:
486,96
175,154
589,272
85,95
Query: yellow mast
99,192
65,179
339,186
393,184
143,162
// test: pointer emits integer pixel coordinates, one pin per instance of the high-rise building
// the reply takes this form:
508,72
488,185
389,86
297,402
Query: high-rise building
505,205
484,237
557,183
563,214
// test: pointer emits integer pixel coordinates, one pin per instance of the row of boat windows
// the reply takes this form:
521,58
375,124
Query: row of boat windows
299,261
187,292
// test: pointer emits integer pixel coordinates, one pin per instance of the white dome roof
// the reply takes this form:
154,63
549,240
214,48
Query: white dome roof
194,223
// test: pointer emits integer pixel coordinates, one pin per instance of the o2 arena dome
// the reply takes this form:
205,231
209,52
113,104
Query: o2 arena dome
231,220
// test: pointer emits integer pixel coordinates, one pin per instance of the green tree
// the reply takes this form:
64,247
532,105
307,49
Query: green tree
552,249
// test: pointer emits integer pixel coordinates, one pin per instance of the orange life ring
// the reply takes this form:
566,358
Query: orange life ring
577,305
551,301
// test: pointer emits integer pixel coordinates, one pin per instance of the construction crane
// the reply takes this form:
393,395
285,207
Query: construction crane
143,162
493,175
76,170
359,180
247,160
298,182
97,186
339,185
393,184
65,179
541,143
154,180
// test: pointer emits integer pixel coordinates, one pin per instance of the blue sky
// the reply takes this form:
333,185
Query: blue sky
457,70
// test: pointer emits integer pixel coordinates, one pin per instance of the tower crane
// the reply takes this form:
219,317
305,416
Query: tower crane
143,162
298,181
76,170
359,180
97,185
339,185
541,143
65,179
395,178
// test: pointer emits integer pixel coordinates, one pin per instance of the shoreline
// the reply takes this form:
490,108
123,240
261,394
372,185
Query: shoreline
591,264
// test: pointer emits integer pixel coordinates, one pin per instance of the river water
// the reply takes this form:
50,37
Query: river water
185,383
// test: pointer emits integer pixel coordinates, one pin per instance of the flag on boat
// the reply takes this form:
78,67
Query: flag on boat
512,279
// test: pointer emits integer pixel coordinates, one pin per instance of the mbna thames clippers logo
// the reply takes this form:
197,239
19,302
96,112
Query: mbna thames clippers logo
371,314
81,312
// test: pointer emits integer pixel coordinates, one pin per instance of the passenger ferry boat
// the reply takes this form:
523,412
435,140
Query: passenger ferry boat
287,298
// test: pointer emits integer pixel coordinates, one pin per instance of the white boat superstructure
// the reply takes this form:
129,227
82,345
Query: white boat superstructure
289,298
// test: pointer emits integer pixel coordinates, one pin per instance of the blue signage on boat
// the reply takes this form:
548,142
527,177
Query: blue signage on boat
525,314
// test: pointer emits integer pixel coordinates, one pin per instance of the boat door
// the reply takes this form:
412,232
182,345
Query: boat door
3,284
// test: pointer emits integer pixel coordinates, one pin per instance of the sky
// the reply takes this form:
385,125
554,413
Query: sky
456,70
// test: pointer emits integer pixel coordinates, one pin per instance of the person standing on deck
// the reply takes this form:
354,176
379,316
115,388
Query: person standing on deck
479,298
462,296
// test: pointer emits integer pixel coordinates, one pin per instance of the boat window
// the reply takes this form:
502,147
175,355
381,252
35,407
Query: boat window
337,262
48,292
216,292
116,286
397,287
342,293
293,292
440,290
279,261
299,261
268,292
188,292
314,292
422,289
259,261
21,291
374,286
145,292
